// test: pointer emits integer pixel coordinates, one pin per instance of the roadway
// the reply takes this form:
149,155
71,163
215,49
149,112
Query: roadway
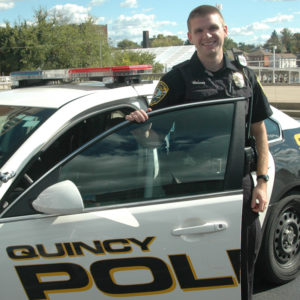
267,291
285,98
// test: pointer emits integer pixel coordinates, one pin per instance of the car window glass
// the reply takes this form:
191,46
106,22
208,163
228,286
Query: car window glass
184,153
273,130
75,137
16,125
71,140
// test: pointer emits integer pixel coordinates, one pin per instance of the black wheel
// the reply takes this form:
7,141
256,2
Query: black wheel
280,252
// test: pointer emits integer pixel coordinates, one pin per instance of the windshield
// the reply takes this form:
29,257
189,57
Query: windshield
16,125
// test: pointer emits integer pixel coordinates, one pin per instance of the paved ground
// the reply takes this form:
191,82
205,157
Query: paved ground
283,93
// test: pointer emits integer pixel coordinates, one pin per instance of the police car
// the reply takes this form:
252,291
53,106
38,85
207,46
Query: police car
88,210
279,260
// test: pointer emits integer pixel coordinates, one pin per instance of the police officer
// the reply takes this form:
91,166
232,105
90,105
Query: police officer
209,74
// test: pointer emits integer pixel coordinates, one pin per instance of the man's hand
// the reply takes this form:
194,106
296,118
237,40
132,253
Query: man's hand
144,135
259,200
139,116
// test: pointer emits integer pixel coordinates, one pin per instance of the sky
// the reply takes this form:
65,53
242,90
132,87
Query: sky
248,21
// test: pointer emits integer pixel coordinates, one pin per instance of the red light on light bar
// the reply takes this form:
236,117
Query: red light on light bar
131,68
89,70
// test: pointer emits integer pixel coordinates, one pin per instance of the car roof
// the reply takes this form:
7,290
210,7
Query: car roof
55,96
286,122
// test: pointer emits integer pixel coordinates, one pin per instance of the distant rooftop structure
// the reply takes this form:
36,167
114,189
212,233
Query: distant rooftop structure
170,56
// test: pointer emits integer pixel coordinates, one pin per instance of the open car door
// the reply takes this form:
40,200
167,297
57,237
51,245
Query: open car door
145,211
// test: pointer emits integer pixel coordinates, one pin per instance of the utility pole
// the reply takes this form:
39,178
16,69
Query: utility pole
274,62
100,52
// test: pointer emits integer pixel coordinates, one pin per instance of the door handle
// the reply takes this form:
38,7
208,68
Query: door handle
200,229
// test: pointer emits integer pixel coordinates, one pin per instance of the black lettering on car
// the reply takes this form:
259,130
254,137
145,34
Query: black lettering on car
188,280
109,246
60,251
102,272
79,246
32,278
22,252
144,244
71,249
36,285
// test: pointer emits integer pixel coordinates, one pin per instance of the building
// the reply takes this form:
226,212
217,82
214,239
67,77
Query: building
169,56
259,58
285,60
263,58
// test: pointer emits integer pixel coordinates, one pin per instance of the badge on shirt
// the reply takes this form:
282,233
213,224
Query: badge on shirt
160,92
238,79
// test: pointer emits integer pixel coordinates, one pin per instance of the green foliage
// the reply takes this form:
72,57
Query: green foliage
127,44
246,47
274,40
52,43
229,44
286,42
9,52
164,41
187,42
124,57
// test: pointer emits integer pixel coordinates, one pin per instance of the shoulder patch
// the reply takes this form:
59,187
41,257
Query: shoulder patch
259,83
160,92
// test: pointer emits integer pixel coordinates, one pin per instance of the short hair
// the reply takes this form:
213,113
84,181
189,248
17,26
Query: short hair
202,11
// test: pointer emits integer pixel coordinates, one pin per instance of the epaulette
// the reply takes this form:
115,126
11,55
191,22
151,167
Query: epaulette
182,64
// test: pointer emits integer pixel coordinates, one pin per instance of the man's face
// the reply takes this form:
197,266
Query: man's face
207,33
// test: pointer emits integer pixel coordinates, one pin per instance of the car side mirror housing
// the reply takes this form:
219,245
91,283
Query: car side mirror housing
60,198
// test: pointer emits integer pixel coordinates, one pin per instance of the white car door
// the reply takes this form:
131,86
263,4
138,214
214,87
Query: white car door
146,214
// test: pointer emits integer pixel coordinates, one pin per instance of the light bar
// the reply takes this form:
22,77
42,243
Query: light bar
117,75
23,75
90,72
133,68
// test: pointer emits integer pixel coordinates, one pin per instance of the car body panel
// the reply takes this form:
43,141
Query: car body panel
285,150
114,229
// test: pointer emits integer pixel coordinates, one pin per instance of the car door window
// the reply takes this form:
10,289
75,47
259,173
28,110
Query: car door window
17,124
184,153
65,144
75,137
273,129
189,150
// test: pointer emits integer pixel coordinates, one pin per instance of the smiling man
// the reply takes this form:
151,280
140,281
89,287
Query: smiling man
209,75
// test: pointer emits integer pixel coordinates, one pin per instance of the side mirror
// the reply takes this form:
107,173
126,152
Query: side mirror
60,198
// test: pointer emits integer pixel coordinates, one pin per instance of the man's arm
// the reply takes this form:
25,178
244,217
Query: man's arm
139,116
259,196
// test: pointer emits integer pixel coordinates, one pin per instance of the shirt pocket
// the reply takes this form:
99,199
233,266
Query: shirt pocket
242,92
197,94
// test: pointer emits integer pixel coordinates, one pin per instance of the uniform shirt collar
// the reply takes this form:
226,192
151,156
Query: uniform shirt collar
198,66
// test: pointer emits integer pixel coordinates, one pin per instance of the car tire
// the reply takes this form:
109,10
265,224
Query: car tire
279,258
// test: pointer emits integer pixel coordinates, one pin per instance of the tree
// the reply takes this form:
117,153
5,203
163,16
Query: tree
163,41
246,47
274,40
287,40
52,42
127,57
229,44
127,44
9,52
187,42
297,43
